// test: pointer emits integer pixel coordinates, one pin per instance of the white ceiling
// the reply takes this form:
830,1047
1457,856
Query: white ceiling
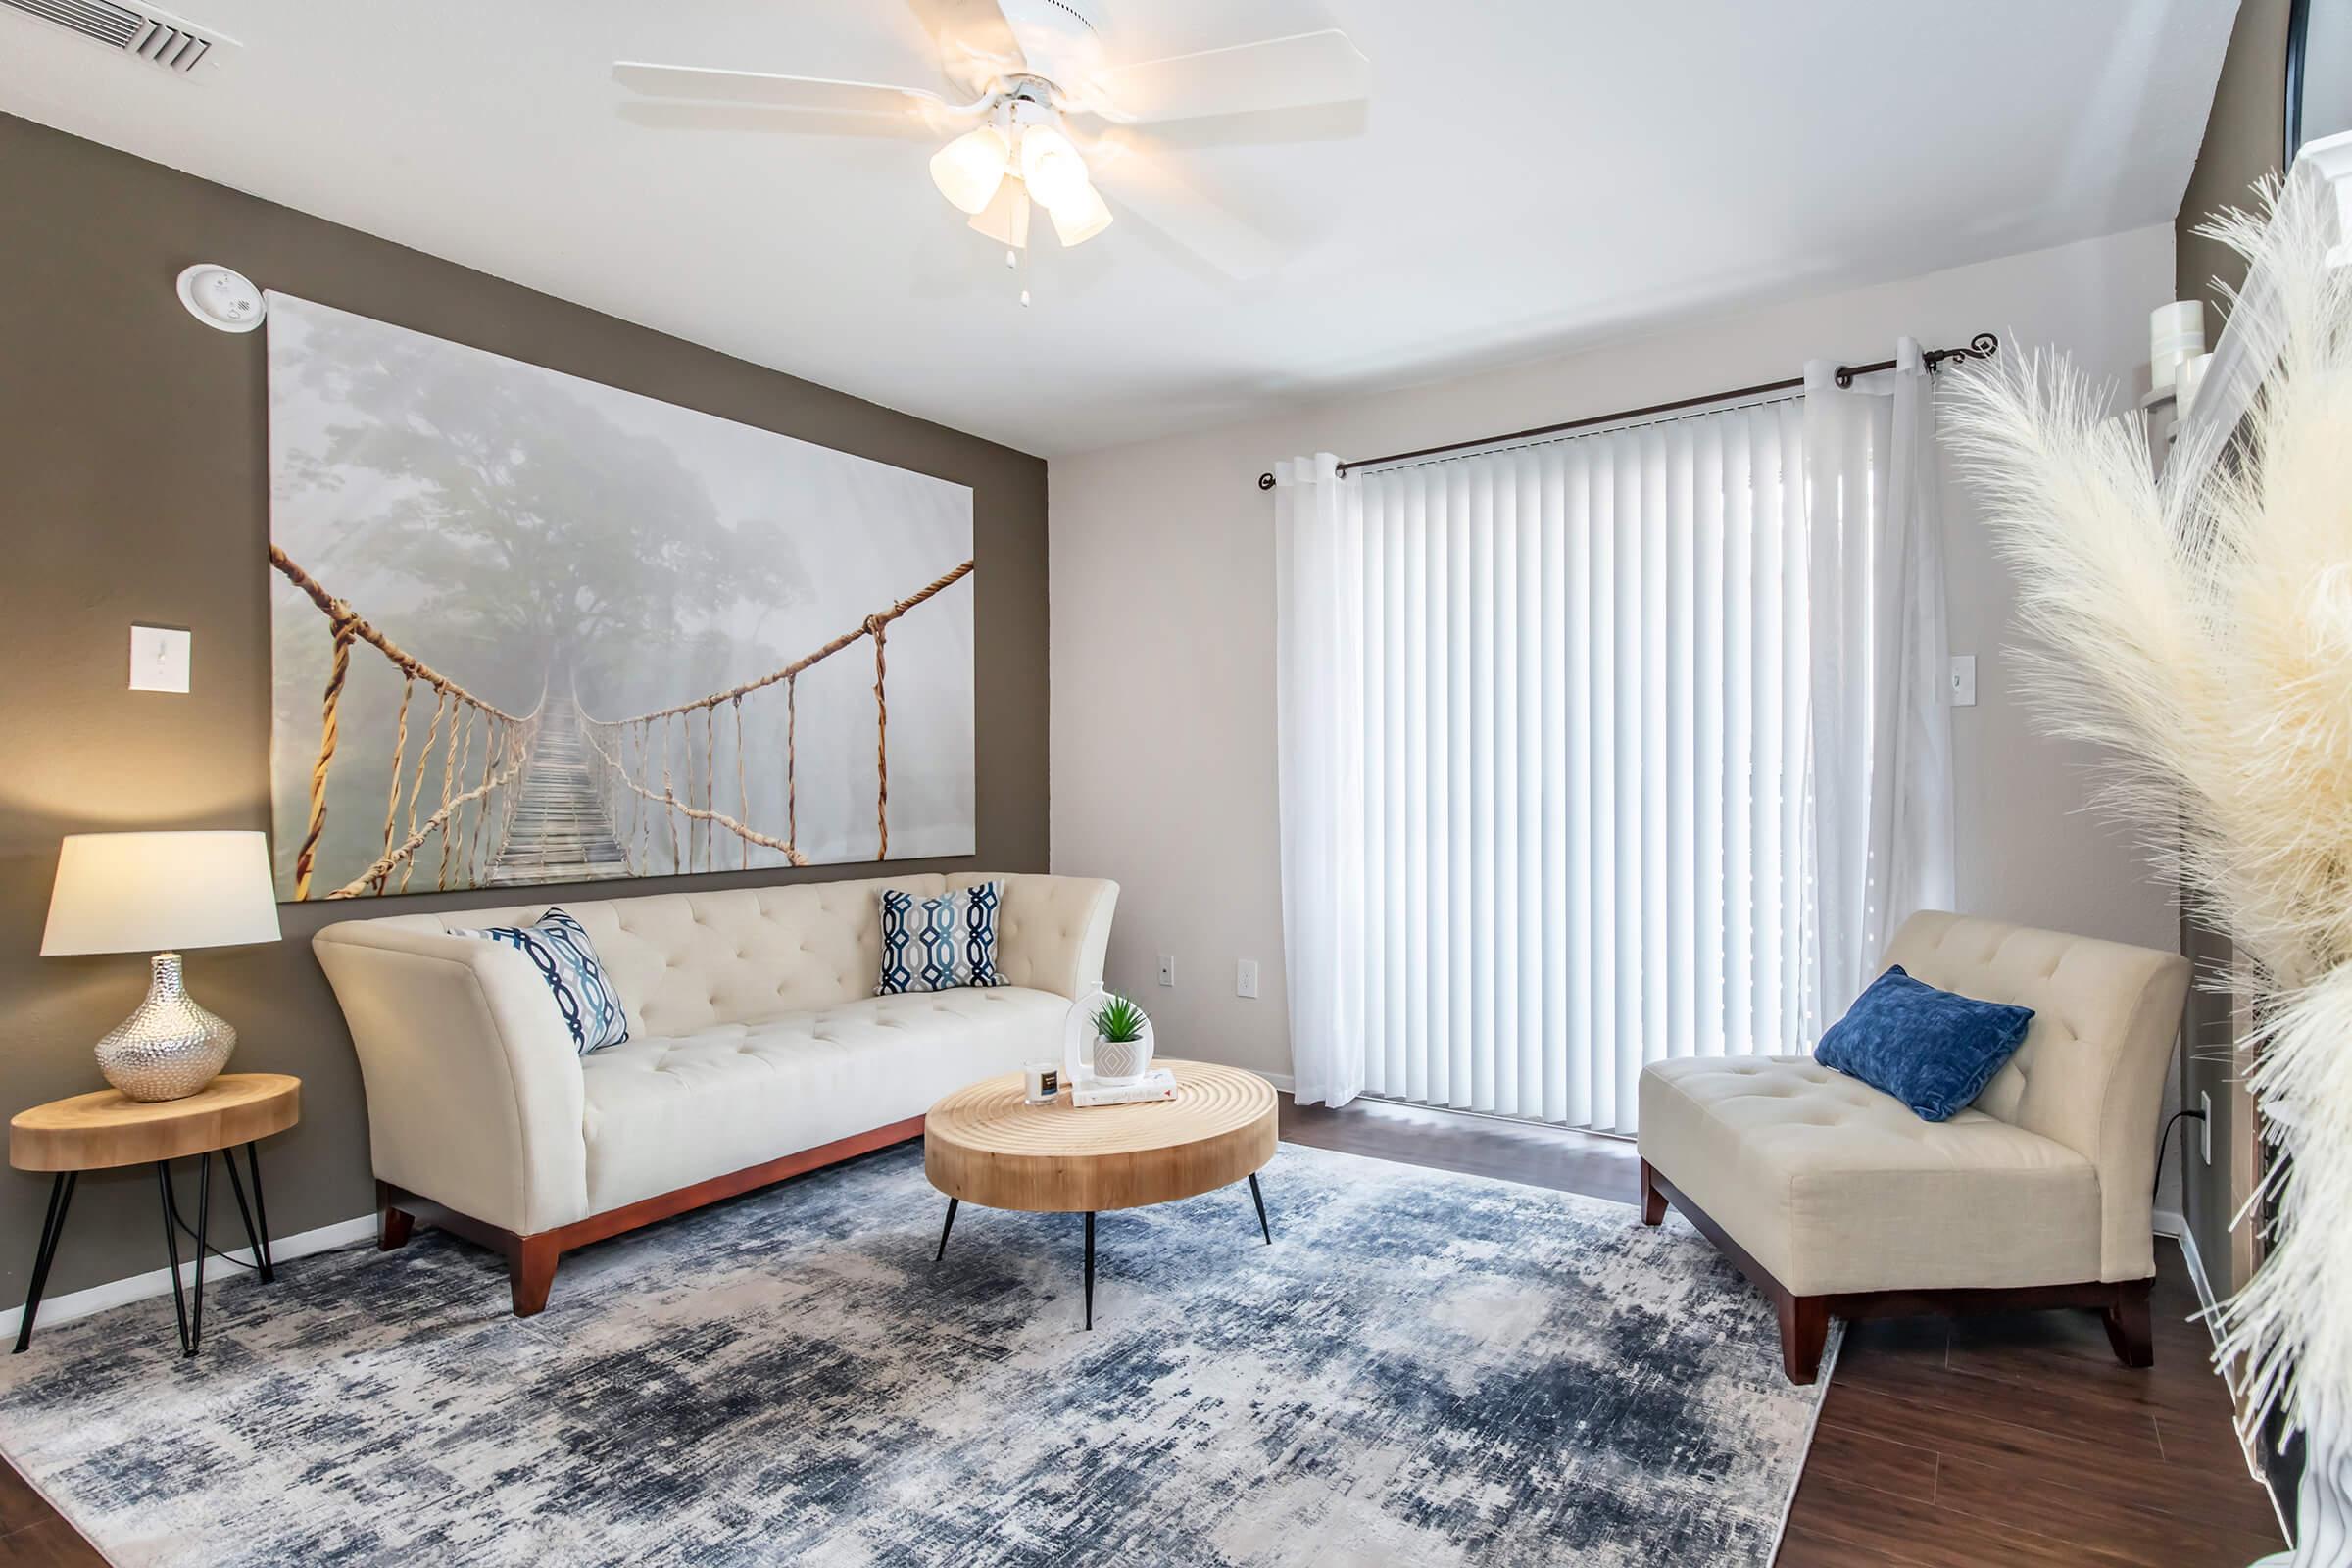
1530,175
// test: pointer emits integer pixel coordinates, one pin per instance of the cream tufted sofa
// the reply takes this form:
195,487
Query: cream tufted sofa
1838,1200
756,1050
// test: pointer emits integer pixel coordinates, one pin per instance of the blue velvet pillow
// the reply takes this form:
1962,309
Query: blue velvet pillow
1934,1050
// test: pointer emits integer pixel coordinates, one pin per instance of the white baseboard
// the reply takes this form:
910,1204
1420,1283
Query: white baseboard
157,1282
2169,1223
1282,1081
2176,1225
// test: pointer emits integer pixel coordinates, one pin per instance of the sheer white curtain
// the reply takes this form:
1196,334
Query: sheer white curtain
1572,678
1318,574
1882,736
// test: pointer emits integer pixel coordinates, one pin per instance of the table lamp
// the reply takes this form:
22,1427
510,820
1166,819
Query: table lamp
158,893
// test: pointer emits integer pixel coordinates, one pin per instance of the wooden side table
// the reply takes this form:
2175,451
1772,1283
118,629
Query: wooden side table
984,1144
106,1129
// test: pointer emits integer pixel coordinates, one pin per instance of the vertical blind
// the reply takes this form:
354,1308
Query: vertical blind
1584,679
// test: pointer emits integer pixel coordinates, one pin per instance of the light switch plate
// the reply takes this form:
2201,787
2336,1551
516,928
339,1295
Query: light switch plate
158,658
1244,978
1963,680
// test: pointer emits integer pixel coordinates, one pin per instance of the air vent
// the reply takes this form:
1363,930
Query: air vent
155,36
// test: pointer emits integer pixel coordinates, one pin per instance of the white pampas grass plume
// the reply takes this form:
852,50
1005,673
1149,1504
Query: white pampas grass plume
2200,629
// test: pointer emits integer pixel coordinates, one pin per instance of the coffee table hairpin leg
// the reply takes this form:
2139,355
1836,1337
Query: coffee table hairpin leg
1256,1195
943,1229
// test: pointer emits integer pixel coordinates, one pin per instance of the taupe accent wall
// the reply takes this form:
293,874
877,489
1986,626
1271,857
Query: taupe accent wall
2245,133
133,479
2244,138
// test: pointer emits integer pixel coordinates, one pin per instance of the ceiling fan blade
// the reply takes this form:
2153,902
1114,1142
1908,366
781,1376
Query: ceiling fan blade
977,43
707,85
687,115
1130,174
1307,68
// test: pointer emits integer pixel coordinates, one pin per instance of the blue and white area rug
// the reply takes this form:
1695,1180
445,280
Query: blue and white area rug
1424,1368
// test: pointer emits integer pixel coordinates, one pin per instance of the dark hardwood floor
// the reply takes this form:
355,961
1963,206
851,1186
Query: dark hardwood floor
2012,1441
33,1535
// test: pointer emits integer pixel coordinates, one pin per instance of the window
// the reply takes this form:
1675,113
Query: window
1582,825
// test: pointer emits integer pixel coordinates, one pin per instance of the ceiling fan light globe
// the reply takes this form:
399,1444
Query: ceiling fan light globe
1051,169
1078,221
1006,220
968,169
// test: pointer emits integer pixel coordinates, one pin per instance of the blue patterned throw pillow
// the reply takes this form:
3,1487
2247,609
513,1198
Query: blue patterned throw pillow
559,949
1934,1050
939,944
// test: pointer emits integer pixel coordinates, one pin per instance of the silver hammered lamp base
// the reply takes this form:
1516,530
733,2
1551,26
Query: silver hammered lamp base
170,1047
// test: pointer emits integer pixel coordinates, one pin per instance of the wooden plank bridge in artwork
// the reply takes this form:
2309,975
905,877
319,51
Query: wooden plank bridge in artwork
557,794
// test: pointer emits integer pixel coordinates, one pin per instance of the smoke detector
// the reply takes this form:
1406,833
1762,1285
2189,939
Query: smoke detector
221,297
137,33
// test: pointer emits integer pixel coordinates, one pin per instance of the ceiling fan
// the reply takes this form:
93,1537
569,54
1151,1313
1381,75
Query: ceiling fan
1045,113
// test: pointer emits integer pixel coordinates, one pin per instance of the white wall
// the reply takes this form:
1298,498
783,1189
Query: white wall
1163,588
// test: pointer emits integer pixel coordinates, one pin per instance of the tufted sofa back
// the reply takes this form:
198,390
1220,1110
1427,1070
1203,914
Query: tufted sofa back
2091,1074
684,961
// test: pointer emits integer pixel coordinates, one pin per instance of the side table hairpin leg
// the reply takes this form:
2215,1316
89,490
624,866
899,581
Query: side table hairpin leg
61,1195
105,1130
190,1319
189,1316
257,1240
260,1209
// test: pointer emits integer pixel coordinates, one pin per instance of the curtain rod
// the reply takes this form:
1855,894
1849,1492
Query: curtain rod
1980,347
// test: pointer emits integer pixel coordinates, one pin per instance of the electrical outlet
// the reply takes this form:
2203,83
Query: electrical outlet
1244,978
1963,680
2205,1127
1167,968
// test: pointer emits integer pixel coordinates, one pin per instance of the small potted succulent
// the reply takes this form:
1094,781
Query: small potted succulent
1122,1041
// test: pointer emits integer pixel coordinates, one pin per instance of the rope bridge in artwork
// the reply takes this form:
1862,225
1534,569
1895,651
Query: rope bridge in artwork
561,796
631,754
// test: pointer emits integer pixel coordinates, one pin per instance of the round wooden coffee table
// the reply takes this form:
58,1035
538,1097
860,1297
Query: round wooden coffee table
983,1145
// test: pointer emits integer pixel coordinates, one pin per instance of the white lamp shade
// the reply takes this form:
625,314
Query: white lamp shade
1080,220
154,892
1051,169
968,169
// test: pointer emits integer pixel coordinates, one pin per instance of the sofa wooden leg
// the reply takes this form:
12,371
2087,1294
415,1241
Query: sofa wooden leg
393,1225
531,1272
1653,1201
2130,1326
1804,1334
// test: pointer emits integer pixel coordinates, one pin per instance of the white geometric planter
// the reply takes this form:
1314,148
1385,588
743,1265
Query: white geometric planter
2322,1507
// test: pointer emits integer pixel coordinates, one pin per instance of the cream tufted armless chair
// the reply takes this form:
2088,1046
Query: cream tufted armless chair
1836,1199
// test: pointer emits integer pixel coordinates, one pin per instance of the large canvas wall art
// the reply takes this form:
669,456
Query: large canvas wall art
531,629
